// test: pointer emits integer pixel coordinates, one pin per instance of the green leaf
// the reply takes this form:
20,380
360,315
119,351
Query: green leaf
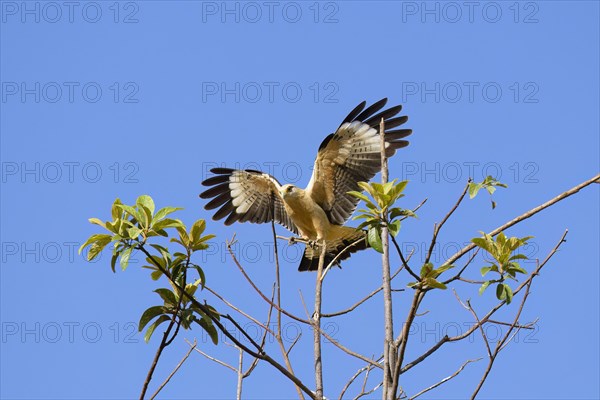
150,314
97,247
168,296
116,212
125,258
366,187
374,239
208,326
500,291
163,212
147,202
155,275
97,222
485,270
131,211
184,239
485,244
474,189
113,261
154,325
509,293
426,270
94,238
397,212
134,232
394,227
197,230
443,268
432,282
202,278
516,267
484,286
361,196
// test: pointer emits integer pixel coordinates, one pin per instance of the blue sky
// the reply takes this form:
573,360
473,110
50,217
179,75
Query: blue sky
117,99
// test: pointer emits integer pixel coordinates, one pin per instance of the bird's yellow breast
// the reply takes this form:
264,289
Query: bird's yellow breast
310,219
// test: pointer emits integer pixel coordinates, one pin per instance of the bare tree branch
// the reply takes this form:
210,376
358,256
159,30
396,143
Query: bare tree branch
353,307
446,379
354,377
388,352
486,318
239,310
317,324
213,359
240,375
259,353
526,215
285,353
438,227
261,294
185,357
500,344
163,344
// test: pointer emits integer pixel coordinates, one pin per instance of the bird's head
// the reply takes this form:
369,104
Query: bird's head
288,190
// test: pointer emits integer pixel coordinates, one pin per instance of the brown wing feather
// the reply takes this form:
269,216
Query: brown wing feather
247,195
353,154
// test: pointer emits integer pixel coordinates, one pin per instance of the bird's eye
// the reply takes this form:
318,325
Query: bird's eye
289,189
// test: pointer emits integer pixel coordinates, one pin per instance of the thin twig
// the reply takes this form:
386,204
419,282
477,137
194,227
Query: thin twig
469,331
239,310
185,357
264,338
261,294
438,227
500,344
284,352
163,344
404,261
446,379
260,353
213,359
351,308
352,379
526,215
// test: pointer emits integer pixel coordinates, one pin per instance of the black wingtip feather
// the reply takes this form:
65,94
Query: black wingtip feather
395,122
373,108
214,180
223,211
389,113
218,201
221,171
399,144
397,134
215,191
325,141
350,117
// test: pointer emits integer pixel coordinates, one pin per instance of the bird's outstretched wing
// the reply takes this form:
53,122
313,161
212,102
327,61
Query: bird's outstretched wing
353,154
247,195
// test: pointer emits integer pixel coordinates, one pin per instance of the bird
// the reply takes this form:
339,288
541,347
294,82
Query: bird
352,153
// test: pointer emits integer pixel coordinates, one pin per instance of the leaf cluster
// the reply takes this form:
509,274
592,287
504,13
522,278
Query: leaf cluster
429,276
489,184
129,230
505,263
380,209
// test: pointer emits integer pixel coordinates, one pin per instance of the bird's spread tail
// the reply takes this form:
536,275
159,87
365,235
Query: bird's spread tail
345,239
